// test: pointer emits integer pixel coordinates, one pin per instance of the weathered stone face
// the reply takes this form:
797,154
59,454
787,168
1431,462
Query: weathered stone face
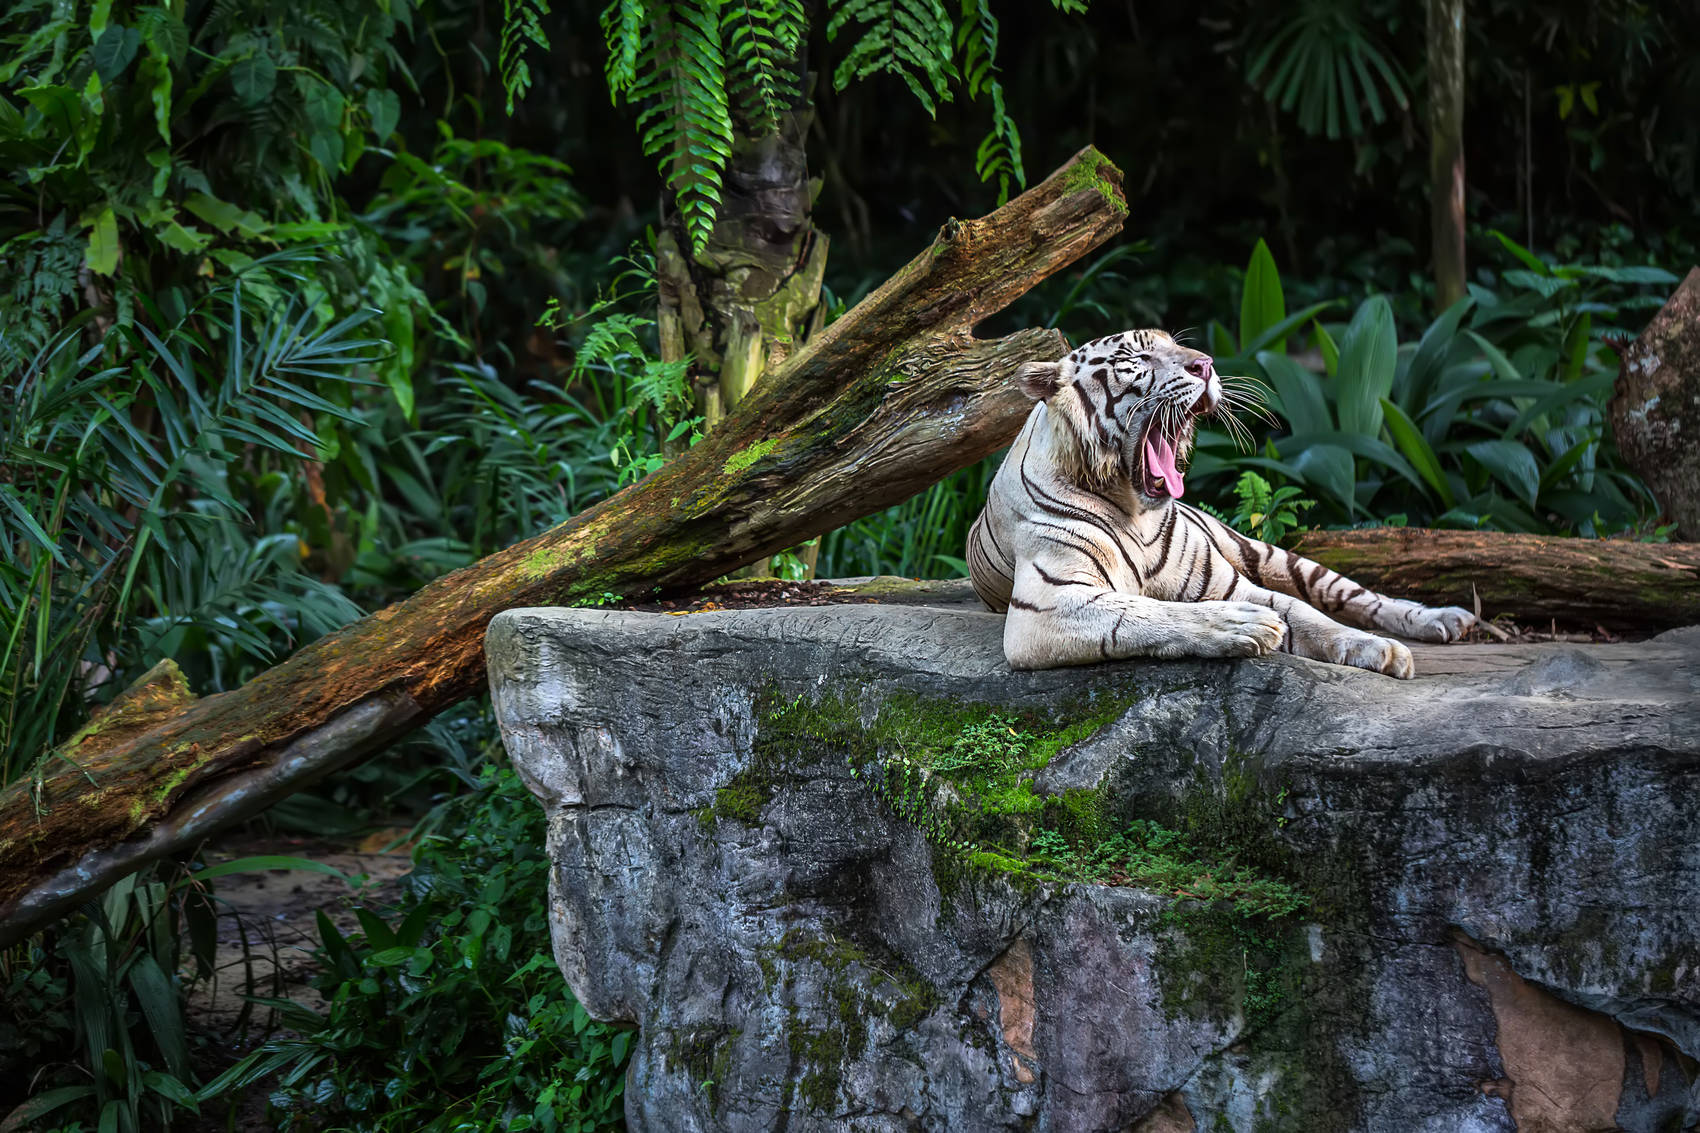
1501,860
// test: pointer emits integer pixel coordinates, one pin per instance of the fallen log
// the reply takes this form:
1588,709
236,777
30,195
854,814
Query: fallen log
889,399
1612,583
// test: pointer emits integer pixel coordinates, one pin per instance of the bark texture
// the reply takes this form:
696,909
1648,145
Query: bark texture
887,400
1622,586
1655,411
1446,147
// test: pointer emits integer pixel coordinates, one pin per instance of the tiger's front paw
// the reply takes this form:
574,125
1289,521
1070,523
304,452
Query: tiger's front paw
1441,623
1239,629
1377,654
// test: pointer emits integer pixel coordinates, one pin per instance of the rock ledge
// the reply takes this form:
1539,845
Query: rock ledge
1501,861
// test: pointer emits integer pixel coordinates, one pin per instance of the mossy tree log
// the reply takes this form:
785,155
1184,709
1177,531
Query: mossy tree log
1618,585
886,401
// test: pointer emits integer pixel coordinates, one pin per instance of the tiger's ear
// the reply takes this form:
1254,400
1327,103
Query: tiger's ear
1039,380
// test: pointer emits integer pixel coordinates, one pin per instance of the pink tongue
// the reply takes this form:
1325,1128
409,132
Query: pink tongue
1160,460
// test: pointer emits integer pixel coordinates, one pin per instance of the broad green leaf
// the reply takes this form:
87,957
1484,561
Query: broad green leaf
1328,470
1431,353
99,17
170,1087
165,33
156,75
268,861
384,108
1368,447
1559,398
1300,391
1416,449
61,106
1560,468
181,238
159,1004
161,161
1369,355
102,254
1329,349
1283,327
1261,303
1576,347
254,78
43,1104
1533,262
224,216
1502,365
1221,341
1512,464
113,52
398,370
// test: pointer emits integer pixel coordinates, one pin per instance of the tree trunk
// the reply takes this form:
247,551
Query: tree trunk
1446,147
886,401
751,297
1615,584
1655,409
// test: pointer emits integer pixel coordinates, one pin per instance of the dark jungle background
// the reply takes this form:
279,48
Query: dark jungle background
296,315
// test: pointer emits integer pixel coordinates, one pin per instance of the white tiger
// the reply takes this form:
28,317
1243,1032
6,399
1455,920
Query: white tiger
1084,540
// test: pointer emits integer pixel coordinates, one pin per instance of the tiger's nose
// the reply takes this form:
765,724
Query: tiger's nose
1202,369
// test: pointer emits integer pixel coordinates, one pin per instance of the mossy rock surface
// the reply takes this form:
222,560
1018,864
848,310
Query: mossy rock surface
845,869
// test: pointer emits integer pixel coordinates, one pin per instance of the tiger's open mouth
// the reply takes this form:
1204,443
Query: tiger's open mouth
1159,461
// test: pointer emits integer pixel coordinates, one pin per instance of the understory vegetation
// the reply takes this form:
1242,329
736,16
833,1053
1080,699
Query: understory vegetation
303,306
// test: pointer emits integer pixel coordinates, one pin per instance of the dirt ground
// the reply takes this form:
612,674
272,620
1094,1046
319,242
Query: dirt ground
267,925
267,930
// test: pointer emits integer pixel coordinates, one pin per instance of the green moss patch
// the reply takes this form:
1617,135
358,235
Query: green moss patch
744,458
1093,171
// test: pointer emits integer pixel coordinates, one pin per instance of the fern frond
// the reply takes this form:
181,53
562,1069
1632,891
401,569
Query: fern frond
999,154
622,26
680,76
911,39
761,37
521,25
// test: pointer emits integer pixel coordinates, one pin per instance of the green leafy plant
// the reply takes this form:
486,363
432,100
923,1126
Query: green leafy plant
100,1024
120,516
1495,416
447,1013
1322,64
1264,512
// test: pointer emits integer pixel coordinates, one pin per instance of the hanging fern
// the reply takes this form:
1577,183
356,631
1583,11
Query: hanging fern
667,55
692,63
911,39
762,37
999,154
521,25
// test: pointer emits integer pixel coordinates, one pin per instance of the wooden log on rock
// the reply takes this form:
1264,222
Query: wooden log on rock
881,404
1655,407
1615,584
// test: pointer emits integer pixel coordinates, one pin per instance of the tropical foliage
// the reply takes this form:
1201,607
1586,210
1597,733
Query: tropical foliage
307,304
1493,416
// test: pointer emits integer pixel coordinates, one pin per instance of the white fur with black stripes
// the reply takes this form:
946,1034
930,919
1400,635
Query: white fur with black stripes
1084,540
